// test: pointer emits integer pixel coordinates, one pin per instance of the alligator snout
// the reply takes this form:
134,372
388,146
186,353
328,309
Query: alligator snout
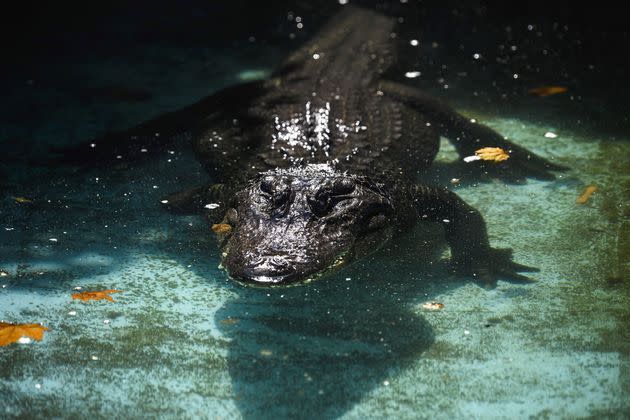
268,270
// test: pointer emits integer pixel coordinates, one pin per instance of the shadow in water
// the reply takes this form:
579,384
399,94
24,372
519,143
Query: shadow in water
317,350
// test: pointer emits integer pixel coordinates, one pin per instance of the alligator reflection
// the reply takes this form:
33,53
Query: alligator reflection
318,350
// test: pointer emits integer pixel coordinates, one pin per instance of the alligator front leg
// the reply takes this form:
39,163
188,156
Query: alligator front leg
467,236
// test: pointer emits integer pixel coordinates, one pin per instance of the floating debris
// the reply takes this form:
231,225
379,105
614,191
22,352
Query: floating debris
230,321
100,295
266,352
22,200
550,135
21,333
211,206
4,273
494,154
472,158
586,194
254,74
433,306
222,228
412,74
547,90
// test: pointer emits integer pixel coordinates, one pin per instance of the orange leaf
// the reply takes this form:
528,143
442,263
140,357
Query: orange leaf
495,154
586,194
547,90
10,333
222,228
103,294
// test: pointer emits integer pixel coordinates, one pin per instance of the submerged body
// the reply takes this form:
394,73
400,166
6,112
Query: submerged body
316,163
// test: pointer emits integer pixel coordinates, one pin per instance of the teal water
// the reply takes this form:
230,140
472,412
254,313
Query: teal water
183,341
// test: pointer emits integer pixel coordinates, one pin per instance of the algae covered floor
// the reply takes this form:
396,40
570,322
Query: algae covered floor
180,340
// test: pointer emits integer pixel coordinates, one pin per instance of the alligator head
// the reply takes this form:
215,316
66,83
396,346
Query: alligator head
292,225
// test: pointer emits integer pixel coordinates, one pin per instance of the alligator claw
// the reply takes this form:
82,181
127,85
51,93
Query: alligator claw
495,264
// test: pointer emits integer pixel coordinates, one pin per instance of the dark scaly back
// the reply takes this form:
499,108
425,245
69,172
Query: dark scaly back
323,106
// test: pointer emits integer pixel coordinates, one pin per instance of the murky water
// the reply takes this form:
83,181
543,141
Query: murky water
181,340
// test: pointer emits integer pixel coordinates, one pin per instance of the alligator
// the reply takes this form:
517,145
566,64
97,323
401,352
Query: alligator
315,164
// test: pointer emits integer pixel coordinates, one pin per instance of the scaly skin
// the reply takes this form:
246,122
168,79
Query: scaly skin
315,163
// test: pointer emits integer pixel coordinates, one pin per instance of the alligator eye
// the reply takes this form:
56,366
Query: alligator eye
343,186
267,184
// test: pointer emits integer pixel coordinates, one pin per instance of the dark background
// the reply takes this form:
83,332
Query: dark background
580,45
31,29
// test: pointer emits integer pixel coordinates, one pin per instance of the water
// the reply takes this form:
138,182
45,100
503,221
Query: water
181,340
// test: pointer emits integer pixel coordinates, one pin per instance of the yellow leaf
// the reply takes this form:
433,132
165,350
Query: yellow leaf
495,154
22,200
10,333
103,294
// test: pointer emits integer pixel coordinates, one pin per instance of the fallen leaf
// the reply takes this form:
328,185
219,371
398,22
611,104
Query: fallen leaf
230,321
495,154
222,228
10,333
433,306
103,294
547,90
22,200
586,194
